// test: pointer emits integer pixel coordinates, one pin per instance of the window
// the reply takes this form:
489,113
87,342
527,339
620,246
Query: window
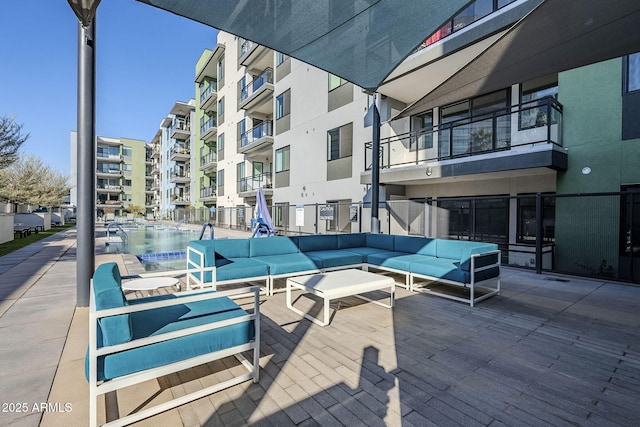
422,124
280,214
534,103
221,111
481,220
527,226
335,82
280,58
633,72
283,104
126,151
340,142
242,129
476,10
282,159
221,71
220,146
220,181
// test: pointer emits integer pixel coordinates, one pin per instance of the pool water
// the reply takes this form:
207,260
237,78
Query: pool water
157,248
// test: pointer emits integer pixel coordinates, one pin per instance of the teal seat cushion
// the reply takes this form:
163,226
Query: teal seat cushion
415,245
334,258
440,268
272,246
154,322
108,293
380,241
399,261
321,242
232,248
384,258
365,251
355,240
477,248
286,263
239,268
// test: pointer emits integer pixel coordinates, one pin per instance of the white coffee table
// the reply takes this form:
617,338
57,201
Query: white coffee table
150,284
339,284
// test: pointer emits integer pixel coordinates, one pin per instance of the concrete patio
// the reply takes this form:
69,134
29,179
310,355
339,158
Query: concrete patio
550,350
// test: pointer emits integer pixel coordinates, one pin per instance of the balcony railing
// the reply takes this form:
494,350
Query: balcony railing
253,86
206,192
207,159
211,123
209,90
251,183
180,174
534,122
178,149
256,133
109,171
246,47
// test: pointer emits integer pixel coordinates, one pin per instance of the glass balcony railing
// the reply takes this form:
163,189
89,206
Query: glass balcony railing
213,85
256,133
208,158
207,192
251,183
253,86
211,123
178,149
534,122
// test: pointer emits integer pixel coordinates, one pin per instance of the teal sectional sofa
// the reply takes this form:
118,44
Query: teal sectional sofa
464,263
137,340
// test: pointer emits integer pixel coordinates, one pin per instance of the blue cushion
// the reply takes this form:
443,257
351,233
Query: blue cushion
441,268
477,248
158,321
232,248
415,245
396,261
332,259
107,276
365,251
355,240
322,242
380,241
204,246
381,258
107,290
272,246
287,263
238,268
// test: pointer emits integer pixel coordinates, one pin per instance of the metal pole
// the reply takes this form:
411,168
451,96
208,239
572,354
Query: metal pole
375,169
539,232
86,149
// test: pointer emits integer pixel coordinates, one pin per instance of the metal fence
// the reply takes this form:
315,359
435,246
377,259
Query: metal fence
595,235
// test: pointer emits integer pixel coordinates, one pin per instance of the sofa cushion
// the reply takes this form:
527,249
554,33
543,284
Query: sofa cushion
239,268
440,268
108,294
321,242
272,246
477,248
380,241
365,251
383,258
355,240
157,321
232,248
287,263
335,258
415,245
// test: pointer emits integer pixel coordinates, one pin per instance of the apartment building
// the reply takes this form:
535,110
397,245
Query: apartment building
123,176
173,145
270,121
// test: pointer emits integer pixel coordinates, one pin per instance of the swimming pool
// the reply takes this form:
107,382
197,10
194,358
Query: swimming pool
156,248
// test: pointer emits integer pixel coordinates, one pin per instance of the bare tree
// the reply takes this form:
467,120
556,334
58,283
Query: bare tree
11,139
29,181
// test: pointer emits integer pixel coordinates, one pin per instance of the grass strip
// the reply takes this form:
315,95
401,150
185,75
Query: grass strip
21,242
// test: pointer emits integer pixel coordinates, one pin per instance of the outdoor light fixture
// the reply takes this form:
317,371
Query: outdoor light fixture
586,170
429,171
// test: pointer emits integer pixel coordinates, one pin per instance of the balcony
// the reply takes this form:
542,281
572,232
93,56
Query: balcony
255,56
208,162
180,153
209,96
108,157
256,96
209,130
108,188
248,186
526,136
181,130
103,203
156,185
179,177
180,199
108,172
208,194
155,153
257,140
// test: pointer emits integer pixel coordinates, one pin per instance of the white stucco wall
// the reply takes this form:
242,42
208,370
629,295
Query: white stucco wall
6,227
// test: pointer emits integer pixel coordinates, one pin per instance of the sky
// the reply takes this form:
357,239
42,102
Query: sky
145,62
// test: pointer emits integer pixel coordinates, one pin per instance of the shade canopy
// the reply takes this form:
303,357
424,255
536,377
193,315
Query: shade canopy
556,36
361,41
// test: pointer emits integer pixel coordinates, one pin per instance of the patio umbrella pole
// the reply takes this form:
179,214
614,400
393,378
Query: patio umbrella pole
85,257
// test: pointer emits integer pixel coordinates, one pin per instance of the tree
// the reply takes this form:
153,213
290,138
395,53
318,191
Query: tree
11,139
29,181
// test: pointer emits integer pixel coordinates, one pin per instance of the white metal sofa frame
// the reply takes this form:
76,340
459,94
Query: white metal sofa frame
96,389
